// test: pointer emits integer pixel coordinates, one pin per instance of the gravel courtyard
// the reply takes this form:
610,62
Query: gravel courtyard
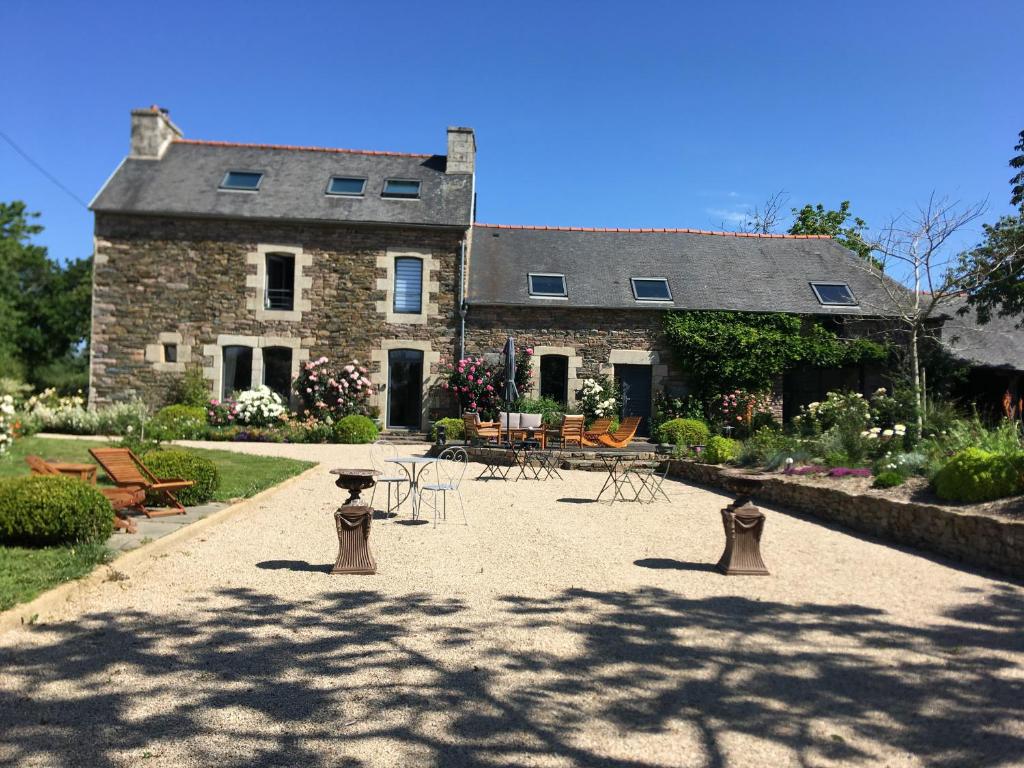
552,631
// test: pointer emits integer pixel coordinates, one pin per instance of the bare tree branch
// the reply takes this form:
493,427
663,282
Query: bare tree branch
766,219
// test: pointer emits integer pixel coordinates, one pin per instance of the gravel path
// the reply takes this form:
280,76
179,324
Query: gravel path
551,631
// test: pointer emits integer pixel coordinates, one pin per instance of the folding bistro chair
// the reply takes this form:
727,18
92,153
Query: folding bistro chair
391,476
450,467
650,480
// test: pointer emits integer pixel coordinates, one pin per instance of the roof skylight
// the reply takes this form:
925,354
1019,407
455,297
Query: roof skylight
834,294
247,181
651,289
547,285
346,186
406,189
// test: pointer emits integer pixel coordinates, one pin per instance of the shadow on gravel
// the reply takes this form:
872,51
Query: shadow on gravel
339,673
669,564
294,565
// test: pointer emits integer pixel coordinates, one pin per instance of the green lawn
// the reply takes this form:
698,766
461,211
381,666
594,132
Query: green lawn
24,573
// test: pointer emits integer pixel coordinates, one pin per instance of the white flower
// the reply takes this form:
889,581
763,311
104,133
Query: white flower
887,433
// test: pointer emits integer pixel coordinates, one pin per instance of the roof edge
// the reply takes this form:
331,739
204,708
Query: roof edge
666,230
296,148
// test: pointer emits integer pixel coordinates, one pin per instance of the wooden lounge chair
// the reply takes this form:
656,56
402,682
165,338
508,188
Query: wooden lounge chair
480,431
599,427
127,470
121,499
571,431
623,435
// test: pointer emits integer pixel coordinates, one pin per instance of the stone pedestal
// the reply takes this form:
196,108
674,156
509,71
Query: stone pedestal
744,524
352,521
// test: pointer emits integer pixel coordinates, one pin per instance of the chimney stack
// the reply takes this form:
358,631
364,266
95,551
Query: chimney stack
461,150
152,132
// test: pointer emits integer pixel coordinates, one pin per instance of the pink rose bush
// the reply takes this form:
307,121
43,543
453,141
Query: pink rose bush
478,385
326,393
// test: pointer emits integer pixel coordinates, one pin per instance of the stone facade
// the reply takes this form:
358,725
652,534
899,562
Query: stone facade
193,281
594,340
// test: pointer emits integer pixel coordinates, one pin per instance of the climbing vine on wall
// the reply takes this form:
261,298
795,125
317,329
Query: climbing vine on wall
723,351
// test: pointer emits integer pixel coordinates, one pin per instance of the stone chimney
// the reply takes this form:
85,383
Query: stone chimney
152,132
461,150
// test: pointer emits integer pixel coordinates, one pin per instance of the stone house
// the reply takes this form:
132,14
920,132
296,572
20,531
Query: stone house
248,259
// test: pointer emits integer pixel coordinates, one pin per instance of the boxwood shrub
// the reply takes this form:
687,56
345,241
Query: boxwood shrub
720,450
355,429
454,428
975,475
38,511
684,432
184,465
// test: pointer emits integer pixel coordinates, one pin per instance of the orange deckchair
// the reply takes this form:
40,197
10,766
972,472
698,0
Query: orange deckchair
623,435
127,470
121,499
599,427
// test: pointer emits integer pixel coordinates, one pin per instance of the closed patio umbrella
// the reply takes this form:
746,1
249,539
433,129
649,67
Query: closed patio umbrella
511,393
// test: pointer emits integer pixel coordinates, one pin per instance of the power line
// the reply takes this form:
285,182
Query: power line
42,170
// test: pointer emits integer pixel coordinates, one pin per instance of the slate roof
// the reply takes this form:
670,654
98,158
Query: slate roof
185,181
997,344
705,270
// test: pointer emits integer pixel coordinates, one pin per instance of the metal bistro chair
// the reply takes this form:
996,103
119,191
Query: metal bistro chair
450,466
650,480
391,475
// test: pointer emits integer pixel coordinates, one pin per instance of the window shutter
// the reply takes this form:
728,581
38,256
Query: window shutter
408,286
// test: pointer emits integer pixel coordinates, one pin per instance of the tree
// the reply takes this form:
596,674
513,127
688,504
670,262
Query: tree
765,219
1017,182
44,306
914,250
1000,258
816,220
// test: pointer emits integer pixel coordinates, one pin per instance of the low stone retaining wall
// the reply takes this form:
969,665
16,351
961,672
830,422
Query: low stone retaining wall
971,537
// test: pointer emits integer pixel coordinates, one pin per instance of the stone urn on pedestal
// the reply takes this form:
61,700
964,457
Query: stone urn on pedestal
352,521
744,524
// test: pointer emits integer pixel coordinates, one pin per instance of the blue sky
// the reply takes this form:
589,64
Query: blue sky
591,114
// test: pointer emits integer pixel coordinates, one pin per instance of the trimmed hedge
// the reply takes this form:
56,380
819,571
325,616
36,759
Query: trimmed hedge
455,429
976,475
183,465
720,450
38,511
355,429
683,432
180,422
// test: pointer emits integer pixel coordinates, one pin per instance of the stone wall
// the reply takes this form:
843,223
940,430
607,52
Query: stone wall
156,275
975,538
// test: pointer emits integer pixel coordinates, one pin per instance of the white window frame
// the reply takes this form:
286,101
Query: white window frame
814,287
633,282
360,193
534,295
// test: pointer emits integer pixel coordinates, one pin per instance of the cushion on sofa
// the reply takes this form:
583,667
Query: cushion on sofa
508,420
530,420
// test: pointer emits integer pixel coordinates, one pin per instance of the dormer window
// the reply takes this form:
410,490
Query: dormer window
242,181
651,289
834,294
402,189
547,285
346,186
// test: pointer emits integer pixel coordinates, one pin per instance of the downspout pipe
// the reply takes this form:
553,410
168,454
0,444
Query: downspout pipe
462,299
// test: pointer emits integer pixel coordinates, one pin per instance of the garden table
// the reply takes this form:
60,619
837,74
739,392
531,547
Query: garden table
618,466
414,470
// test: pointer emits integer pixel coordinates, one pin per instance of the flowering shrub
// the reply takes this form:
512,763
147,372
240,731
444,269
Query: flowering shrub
221,413
7,421
741,408
68,414
259,407
328,394
479,385
597,398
